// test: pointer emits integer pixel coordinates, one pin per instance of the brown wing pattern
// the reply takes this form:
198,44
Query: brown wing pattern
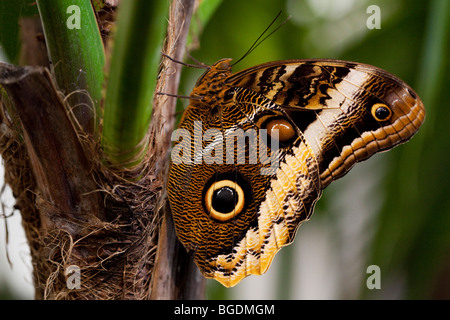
238,188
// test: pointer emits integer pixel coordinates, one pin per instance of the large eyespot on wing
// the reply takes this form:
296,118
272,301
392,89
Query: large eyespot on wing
224,200
381,112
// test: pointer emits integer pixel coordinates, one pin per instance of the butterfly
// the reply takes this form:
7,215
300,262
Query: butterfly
254,150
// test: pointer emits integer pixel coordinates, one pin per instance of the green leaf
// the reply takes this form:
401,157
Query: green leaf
76,51
132,79
412,238
205,11
10,12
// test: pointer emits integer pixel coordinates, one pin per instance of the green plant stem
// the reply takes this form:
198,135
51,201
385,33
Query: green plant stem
77,55
132,79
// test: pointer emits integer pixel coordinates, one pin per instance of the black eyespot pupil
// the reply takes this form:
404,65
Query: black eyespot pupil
224,199
382,113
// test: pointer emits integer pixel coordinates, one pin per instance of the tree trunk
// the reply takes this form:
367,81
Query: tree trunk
94,231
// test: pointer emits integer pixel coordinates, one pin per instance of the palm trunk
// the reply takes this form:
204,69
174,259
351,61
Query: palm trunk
94,233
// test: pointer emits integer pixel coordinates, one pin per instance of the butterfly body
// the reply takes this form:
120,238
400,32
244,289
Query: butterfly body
255,149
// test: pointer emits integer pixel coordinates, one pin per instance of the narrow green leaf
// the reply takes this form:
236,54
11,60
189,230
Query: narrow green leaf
412,238
431,219
132,79
76,51
205,11
9,27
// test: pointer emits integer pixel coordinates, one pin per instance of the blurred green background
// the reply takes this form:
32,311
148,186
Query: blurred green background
392,211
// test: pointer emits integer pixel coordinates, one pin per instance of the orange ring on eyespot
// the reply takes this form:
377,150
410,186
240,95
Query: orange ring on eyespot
381,112
285,129
238,207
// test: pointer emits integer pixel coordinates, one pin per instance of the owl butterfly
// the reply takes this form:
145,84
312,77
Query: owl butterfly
255,149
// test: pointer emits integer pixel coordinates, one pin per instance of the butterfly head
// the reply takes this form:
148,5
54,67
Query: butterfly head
211,84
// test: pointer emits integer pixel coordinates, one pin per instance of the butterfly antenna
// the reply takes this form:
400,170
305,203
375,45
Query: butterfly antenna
258,41
178,96
196,61
200,66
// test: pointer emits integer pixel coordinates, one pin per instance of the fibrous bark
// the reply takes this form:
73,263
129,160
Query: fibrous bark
81,213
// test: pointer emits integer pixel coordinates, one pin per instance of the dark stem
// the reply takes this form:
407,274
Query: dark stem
175,275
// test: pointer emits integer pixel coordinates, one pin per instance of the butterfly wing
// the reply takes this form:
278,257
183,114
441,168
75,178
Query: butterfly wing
237,197
242,240
335,104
